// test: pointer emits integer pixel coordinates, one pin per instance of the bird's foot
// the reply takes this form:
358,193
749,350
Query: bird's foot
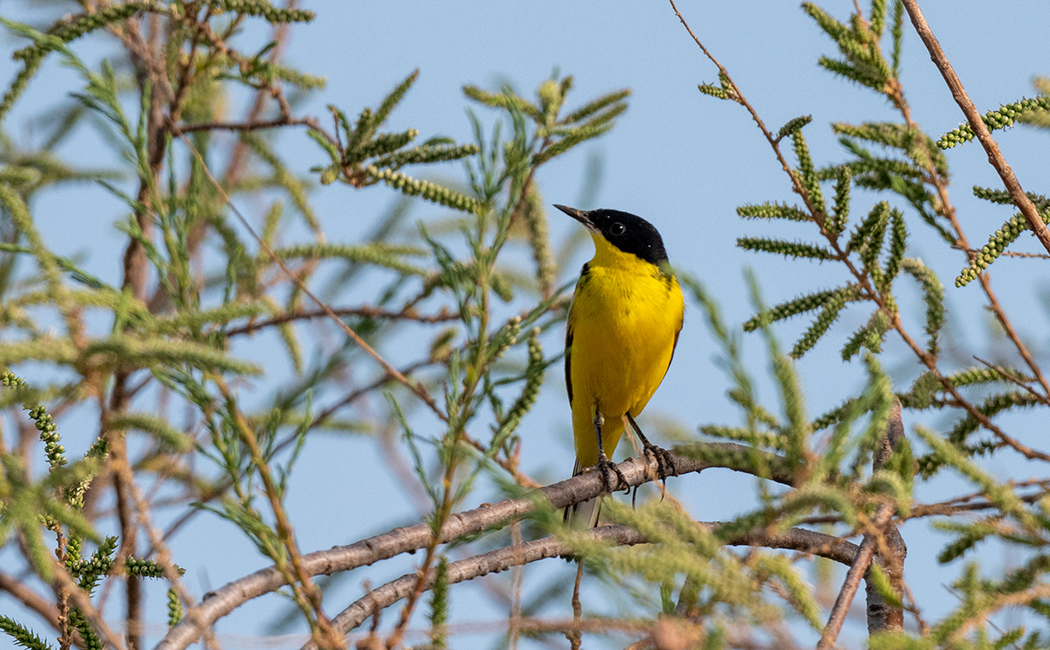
664,460
607,467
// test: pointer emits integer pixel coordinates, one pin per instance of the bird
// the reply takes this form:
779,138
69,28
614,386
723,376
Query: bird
623,326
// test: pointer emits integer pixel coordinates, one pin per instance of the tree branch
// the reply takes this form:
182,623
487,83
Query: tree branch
995,157
853,577
221,602
798,539
365,311
881,616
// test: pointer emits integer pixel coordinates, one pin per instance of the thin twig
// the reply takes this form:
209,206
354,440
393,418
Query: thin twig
995,157
739,98
945,208
251,125
913,607
575,635
1010,377
157,545
946,508
364,311
217,490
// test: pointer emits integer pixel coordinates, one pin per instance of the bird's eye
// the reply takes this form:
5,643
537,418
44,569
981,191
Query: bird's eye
617,228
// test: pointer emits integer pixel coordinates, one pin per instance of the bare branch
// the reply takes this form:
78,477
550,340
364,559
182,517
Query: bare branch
444,315
798,539
853,577
252,125
588,485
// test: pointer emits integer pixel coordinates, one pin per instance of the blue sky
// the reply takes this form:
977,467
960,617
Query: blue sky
678,158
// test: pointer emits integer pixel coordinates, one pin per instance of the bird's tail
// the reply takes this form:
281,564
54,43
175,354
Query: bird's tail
587,511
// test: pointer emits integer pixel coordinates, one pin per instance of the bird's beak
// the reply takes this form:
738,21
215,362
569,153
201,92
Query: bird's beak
578,215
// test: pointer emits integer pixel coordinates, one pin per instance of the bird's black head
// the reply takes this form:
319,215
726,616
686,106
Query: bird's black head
625,231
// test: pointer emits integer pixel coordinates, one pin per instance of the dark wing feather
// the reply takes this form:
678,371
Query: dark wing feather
673,348
568,358
568,332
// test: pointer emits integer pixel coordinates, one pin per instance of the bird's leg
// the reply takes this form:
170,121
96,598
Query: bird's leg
604,464
664,461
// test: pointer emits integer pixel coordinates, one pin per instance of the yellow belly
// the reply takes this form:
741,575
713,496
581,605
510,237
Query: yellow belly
624,326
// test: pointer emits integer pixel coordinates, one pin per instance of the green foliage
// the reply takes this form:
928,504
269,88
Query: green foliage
862,61
1034,111
1003,117
914,144
362,156
377,254
796,306
264,9
869,336
820,325
898,244
897,159
997,243
558,134
794,126
535,217
773,211
78,621
157,427
868,236
439,603
1001,494
173,329
56,37
425,189
785,248
45,424
534,374
990,406
174,608
807,175
724,89
22,635
836,221
73,27
933,296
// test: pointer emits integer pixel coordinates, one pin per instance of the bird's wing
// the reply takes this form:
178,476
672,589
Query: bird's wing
568,356
674,346
568,332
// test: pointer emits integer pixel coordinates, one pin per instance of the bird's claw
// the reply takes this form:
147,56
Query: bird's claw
664,460
605,467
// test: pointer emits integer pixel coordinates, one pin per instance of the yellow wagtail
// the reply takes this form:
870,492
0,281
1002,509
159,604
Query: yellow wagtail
623,326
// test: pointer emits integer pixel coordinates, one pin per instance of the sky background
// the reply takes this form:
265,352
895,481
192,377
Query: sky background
678,158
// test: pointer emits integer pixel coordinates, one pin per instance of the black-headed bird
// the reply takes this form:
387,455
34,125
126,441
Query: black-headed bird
623,326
